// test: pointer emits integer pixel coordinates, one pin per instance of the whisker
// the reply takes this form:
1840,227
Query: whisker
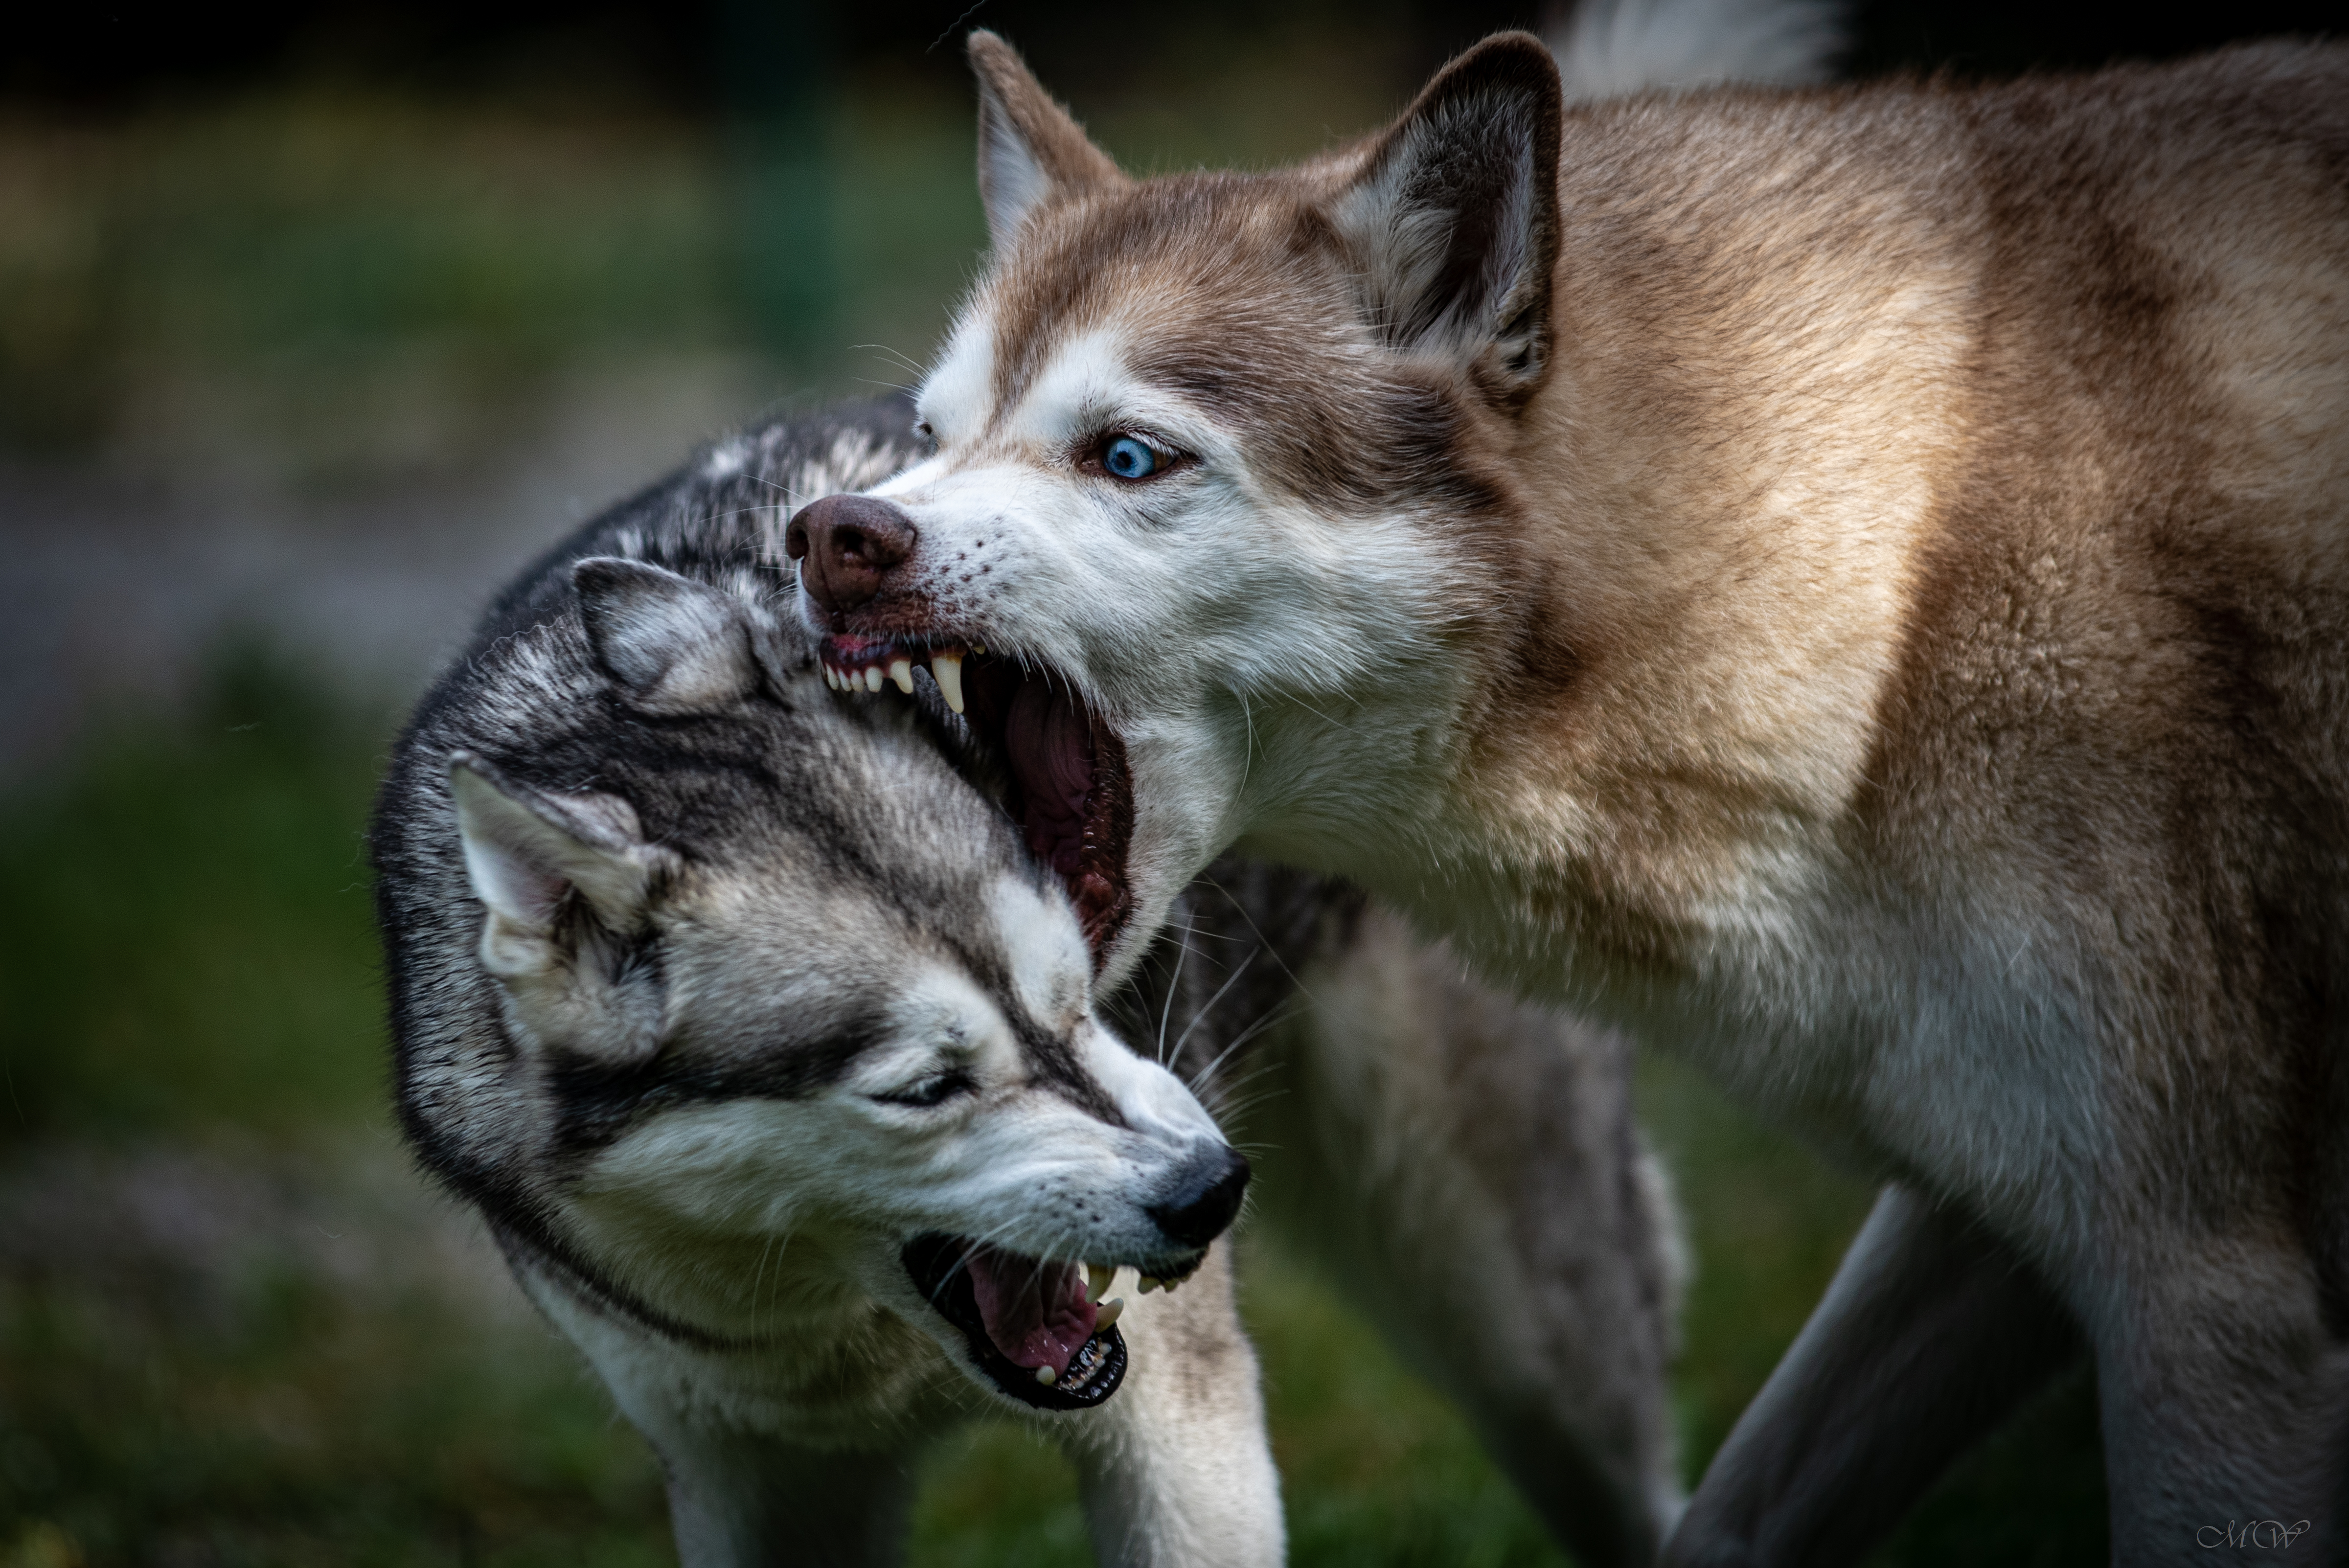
1173,984
884,348
1260,936
1200,1016
1207,1074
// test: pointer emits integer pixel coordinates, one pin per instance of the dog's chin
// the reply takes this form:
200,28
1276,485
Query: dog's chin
1059,765
1033,1330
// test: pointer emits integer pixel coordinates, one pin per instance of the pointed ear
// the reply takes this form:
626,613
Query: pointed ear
1452,219
673,645
1028,146
526,852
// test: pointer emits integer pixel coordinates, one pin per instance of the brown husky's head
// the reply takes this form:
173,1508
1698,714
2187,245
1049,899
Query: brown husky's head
1217,477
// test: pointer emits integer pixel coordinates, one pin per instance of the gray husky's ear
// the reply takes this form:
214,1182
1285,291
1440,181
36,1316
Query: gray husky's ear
1028,146
673,645
526,852
1452,219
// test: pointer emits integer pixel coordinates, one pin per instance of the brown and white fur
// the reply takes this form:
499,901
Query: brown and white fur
718,994
1850,583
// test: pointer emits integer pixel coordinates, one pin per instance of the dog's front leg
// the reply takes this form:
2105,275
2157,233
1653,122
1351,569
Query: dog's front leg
1175,1468
1931,1333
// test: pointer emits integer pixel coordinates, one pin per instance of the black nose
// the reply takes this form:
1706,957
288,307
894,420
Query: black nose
844,544
1203,1205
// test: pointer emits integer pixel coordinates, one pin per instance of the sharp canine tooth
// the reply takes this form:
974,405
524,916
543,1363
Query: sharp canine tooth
901,672
1047,1376
1109,1312
948,670
873,677
1149,1284
1098,1277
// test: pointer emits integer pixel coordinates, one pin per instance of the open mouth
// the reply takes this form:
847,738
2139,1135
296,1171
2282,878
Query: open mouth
1065,776
1040,1330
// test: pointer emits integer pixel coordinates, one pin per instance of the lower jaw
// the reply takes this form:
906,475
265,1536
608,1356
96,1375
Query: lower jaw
1093,1375
1094,1371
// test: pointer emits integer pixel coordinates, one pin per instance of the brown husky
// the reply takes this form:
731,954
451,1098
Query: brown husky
1851,584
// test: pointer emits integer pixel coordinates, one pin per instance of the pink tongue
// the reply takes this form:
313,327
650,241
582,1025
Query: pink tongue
1037,1313
1052,752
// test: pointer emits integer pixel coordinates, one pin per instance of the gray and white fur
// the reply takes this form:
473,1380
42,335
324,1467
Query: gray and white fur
715,992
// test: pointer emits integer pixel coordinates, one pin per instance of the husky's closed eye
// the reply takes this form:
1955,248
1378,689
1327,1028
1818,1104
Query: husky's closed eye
933,1090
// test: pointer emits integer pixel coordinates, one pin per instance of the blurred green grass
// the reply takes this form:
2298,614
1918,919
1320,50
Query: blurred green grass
187,954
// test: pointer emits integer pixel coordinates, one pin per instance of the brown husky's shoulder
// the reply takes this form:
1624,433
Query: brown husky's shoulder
1839,370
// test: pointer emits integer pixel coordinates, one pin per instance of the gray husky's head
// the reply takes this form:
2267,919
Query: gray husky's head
754,976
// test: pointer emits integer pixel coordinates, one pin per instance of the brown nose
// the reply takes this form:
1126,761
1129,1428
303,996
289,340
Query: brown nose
845,543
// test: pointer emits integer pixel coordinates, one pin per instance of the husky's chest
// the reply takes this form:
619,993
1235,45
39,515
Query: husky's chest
823,1375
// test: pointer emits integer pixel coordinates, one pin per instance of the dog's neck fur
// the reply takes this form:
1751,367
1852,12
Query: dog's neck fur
1696,657
1657,740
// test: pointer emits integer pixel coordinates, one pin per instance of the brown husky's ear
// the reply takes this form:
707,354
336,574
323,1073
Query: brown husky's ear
1029,147
1452,219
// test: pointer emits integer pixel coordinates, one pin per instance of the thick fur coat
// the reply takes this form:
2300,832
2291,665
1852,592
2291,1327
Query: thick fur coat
1852,584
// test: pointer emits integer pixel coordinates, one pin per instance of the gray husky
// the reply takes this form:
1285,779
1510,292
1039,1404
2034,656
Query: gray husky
774,1059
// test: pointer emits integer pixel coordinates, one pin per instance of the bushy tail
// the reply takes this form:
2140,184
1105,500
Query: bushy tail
1609,48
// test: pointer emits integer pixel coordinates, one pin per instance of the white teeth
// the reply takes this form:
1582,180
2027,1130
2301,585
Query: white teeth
1047,1376
948,670
1150,1283
1111,1311
831,679
901,672
873,677
1098,1278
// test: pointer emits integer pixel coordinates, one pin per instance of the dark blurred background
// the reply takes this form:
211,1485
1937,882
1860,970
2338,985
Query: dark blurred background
316,321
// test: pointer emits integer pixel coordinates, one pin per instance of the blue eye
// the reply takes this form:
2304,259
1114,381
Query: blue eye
1129,458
